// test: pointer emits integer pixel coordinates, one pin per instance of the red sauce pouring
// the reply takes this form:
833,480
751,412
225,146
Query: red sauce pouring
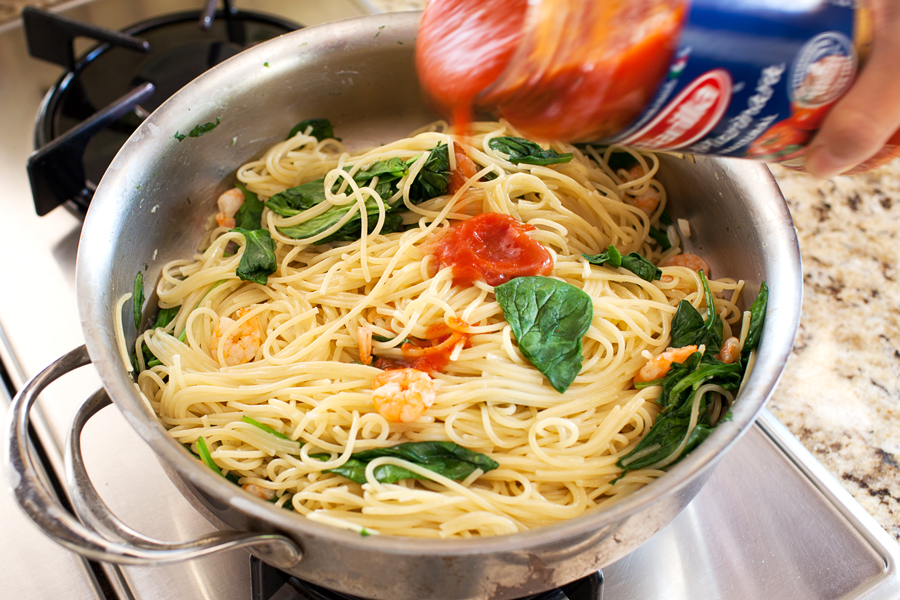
493,247
586,83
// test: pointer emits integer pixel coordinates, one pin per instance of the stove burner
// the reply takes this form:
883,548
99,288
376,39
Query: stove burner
167,52
268,583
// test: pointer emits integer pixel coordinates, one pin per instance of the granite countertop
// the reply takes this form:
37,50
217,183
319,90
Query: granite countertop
840,392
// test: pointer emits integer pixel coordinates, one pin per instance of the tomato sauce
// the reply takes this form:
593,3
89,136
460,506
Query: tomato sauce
432,353
464,48
493,247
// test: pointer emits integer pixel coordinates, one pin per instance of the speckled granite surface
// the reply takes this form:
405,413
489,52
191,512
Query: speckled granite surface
840,393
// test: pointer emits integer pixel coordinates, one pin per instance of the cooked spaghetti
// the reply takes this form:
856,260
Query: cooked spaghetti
298,402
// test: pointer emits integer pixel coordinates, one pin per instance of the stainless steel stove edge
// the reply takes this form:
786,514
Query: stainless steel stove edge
886,587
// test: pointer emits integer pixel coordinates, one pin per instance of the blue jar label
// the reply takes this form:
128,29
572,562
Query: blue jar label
751,78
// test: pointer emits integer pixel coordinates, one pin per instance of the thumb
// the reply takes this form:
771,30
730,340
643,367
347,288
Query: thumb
863,120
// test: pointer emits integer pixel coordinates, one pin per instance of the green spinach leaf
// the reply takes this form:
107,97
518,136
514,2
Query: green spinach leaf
249,215
634,262
665,218
138,299
203,454
522,151
666,434
295,200
433,179
268,429
661,237
198,130
258,260
689,327
321,129
444,458
549,318
757,319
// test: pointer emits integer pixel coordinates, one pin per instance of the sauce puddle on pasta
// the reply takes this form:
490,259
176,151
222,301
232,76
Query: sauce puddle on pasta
444,336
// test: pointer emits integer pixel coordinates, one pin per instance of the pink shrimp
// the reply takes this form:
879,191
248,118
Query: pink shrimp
658,367
259,492
364,342
649,200
730,351
402,395
229,203
691,261
241,344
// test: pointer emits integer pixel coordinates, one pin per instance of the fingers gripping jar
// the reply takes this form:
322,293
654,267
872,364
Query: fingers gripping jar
743,78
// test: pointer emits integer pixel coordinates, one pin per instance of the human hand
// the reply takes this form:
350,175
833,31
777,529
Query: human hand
868,116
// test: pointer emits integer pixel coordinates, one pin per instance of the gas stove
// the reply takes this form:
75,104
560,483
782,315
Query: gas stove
770,523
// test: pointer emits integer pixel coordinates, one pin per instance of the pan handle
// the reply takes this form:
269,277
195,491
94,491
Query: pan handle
110,540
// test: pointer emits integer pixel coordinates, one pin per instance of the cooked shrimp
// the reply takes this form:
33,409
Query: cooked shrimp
241,344
402,395
649,200
259,492
730,351
229,203
659,366
691,261
364,341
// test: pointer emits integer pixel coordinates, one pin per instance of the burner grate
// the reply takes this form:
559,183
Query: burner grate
94,108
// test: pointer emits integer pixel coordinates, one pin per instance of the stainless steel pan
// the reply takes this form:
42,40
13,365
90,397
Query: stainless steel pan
151,207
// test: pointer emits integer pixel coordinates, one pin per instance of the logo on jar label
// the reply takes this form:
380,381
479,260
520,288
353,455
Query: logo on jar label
823,71
690,116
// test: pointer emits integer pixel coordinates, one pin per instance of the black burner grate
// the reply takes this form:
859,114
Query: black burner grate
89,112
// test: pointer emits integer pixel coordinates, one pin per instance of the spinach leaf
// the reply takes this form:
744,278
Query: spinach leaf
249,215
660,237
444,458
321,129
677,372
268,429
713,326
433,179
757,318
352,231
381,338
389,170
689,327
620,160
138,299
204,455
295,200
549,318
522,151
634,262
679,387
728,376
258,260
198,130
667,433
665,218
166,316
